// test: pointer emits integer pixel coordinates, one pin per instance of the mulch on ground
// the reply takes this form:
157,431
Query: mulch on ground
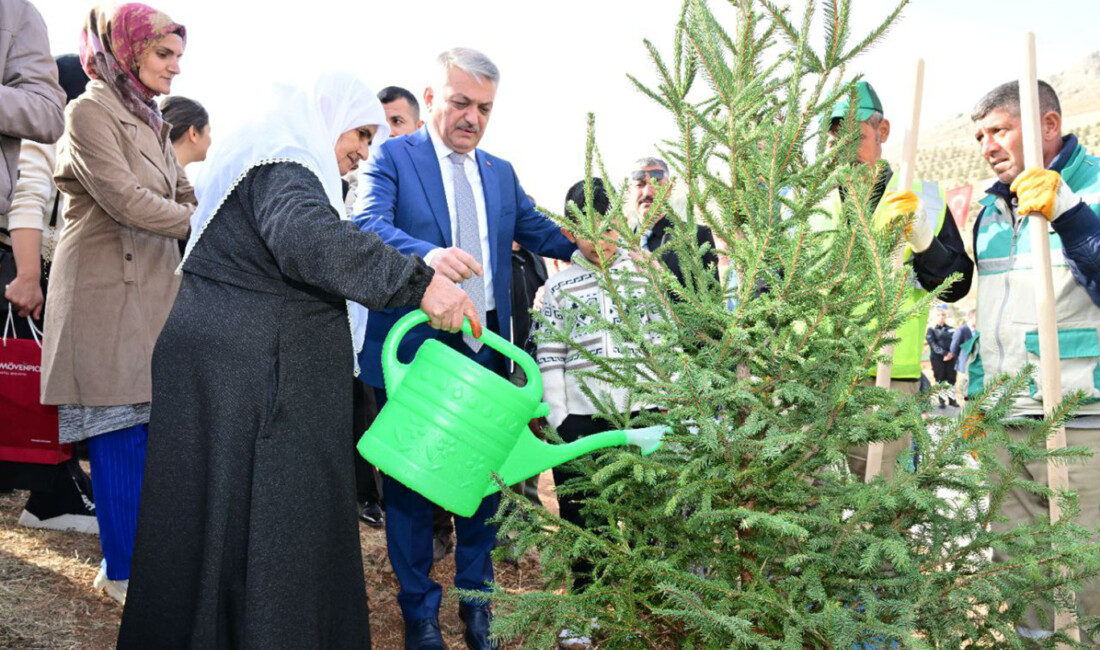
47,601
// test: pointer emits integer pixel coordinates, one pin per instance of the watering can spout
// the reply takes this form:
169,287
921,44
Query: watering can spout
532,456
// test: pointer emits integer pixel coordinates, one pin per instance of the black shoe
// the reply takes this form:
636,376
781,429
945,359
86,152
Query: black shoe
476,618
423,634
371,514
68,506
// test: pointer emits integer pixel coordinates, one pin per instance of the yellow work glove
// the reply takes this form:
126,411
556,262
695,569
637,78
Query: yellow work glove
1042,191
899,205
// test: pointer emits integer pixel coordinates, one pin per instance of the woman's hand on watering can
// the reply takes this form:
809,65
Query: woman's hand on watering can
455,263
446,305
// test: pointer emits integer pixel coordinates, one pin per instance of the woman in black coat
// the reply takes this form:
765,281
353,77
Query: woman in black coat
248,536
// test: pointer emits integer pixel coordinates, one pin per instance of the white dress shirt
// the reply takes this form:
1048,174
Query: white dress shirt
473,175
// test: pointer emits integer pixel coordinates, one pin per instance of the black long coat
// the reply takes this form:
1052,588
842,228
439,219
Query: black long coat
248,536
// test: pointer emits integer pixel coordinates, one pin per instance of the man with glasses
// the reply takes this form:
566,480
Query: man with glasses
647,179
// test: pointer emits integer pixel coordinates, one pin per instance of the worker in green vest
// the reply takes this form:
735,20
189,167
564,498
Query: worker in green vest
934,252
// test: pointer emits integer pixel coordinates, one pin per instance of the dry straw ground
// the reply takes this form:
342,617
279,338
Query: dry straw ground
47,601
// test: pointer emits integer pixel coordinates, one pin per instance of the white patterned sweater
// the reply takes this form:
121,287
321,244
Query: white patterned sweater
560,364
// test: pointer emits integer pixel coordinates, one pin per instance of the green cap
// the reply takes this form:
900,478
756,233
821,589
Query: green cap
867,102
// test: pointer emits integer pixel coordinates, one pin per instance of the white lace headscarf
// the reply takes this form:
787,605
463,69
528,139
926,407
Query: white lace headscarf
302,125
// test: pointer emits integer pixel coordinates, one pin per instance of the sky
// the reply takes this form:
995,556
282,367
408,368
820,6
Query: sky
561,60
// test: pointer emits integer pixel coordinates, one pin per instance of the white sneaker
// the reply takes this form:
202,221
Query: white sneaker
568,640
73,522
115,588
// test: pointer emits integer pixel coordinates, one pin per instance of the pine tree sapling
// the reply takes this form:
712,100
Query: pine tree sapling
747,530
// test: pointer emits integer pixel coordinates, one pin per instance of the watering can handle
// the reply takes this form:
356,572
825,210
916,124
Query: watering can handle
393,371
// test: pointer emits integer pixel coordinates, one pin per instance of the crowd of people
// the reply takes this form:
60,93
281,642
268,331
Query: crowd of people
239,449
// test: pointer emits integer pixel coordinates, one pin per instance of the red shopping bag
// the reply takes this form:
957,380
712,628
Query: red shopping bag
28,430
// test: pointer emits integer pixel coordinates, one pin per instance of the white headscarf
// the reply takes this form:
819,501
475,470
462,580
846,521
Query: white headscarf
302,125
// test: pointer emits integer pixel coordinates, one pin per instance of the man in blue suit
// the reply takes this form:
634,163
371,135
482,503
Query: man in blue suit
434,194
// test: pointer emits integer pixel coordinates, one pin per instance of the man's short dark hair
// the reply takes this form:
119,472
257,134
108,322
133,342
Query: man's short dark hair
600,201
391,94
1006,97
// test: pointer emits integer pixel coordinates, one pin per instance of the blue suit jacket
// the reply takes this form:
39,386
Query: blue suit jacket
401,198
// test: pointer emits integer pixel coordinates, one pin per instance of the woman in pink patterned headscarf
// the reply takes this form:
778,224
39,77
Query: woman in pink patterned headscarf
135,50
112,283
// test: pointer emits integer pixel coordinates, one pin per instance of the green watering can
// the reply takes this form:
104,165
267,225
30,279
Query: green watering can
449,423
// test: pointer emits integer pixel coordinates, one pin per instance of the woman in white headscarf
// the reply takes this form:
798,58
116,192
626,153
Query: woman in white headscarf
248,534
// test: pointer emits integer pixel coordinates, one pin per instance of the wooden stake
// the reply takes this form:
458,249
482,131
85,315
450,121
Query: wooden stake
905,183
1050,369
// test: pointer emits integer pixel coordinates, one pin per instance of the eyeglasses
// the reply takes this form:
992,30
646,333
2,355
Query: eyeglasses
651,174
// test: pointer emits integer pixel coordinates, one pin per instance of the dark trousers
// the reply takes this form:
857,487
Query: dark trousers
571,429
368,484
54,488
409,525
943,371
32,476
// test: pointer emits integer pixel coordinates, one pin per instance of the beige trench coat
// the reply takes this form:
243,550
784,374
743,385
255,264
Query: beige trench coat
113,279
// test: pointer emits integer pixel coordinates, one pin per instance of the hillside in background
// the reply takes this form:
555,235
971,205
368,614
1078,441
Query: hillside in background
948,153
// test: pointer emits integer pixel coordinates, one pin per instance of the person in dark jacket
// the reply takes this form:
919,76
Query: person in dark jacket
247,536
939,342
646,180
528,276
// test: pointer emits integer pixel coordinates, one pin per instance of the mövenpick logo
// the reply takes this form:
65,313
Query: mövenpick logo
10,366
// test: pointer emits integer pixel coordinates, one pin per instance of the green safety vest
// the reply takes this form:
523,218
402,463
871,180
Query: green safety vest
909,349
